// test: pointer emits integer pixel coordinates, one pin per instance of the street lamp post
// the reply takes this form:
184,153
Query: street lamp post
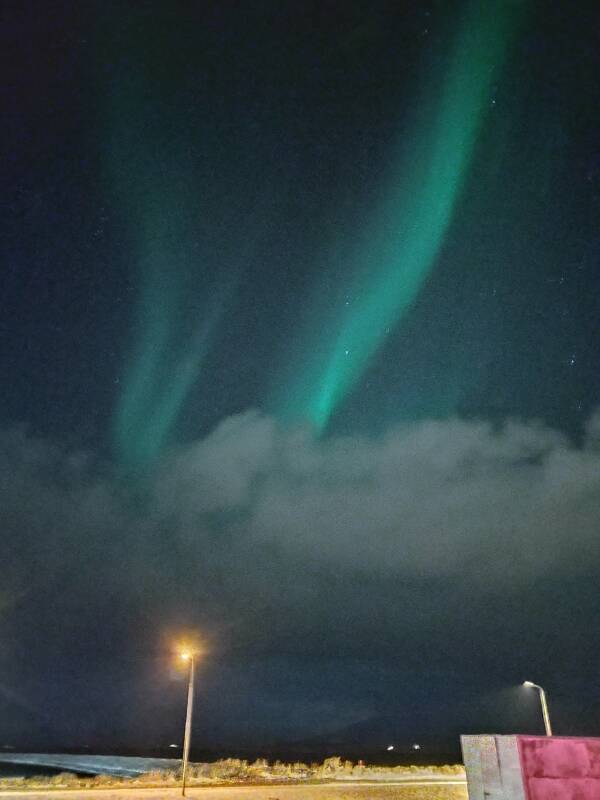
188,719
544,703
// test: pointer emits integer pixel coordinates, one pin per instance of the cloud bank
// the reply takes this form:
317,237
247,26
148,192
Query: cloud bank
252,506
433,547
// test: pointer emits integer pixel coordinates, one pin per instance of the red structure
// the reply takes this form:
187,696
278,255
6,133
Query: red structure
531,767
560,768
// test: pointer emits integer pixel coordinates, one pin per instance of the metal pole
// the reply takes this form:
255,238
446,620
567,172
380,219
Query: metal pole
545,713
188,725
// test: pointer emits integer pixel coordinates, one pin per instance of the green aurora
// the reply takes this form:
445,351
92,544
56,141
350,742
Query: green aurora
163,192
400,250
157,187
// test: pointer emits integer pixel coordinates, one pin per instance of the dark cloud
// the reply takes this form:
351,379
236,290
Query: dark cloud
436,500
446,498
295,556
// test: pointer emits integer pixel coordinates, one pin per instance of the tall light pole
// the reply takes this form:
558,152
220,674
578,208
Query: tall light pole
186,656
544,703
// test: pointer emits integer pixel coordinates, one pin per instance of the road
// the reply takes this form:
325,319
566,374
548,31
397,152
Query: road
400,790
125,766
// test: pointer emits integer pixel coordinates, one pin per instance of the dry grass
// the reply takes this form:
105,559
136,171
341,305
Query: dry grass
298,777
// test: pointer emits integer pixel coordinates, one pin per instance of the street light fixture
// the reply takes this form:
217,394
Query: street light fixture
187,655
545,714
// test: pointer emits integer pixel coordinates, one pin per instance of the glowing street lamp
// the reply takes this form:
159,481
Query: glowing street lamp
545,714
188,655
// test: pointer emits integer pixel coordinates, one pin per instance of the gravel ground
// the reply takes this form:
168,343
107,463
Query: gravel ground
422,791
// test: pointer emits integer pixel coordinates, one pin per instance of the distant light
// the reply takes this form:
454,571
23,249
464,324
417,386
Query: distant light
173,745
390,747
416,747
188,649
544,702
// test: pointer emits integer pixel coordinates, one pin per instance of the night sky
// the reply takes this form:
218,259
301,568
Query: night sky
300,348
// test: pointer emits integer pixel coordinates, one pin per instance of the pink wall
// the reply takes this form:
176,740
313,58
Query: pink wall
560,768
